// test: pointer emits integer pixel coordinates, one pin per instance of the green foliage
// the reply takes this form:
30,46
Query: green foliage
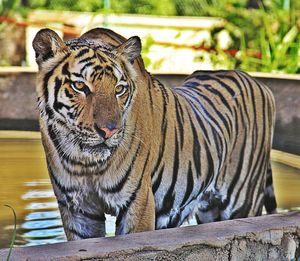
161,7
67,5
14,233
147,43
273,29
11,8
7,6
280,53
276,35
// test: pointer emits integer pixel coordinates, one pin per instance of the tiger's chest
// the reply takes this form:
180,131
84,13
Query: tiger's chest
90,194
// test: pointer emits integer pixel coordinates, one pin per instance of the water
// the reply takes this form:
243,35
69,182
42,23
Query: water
25,186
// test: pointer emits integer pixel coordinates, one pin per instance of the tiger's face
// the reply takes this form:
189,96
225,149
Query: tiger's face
85,92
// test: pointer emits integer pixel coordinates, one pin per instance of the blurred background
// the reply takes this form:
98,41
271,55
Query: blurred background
251,35
179,36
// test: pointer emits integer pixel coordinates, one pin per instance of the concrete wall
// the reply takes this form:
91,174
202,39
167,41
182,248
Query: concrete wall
271,238
18,104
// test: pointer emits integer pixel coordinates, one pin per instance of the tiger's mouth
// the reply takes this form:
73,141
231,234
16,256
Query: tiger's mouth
100,148
90,147
94,147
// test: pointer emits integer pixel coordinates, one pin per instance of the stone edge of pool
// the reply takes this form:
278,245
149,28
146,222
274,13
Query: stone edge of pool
274,237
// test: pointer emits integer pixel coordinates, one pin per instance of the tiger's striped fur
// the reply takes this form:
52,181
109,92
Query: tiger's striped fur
154,156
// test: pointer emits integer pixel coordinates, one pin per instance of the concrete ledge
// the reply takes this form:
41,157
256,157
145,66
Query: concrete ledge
273,237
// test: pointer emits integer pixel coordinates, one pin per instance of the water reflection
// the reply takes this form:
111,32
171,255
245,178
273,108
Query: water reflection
37,194
43,215
25,186
41,205
43,225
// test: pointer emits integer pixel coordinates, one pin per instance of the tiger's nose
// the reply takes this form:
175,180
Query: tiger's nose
107,131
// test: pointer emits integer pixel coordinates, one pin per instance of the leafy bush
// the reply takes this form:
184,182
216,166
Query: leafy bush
268,37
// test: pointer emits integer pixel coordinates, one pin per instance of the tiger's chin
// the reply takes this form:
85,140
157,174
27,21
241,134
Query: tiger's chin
99,151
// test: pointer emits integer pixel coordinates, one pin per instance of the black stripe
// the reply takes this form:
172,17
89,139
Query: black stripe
91,216
164,92
179,120
65,70
68,94
189,98
223,84
132,197
96,72
77,233
174,220
57,106
189,185
118,187
61,187
243,211
87,59
196,148
49,74
157,182
77,74
237,176
211,169
220,115
164,125
101,58
204,112
212,90
82,52
168,200
85,66
49,112
150,95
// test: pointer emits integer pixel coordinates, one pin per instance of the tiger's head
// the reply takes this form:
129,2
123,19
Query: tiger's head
86,88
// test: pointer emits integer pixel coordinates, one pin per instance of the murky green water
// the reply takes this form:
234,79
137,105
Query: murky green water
25,186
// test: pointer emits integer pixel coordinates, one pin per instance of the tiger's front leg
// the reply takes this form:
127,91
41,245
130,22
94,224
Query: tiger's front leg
139,216
79,224
81,216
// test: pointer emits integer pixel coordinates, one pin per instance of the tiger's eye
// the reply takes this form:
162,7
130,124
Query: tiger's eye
120,90
81,87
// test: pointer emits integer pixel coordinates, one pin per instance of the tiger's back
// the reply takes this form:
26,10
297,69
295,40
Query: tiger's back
222,125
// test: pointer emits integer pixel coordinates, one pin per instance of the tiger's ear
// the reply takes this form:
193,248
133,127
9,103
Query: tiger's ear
131,49
46,43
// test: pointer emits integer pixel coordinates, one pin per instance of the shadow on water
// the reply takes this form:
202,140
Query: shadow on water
25,186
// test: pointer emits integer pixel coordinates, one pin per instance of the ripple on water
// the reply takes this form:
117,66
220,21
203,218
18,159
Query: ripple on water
43,215
42,224
34,194
41,205
34,242
37,182
44,233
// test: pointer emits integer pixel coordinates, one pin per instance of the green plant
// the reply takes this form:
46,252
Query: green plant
278,41
14,233
147,43
12,8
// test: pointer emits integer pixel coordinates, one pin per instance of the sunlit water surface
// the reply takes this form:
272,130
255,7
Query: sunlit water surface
25,186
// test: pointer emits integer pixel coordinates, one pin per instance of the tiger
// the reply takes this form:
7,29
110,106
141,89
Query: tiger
117,141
